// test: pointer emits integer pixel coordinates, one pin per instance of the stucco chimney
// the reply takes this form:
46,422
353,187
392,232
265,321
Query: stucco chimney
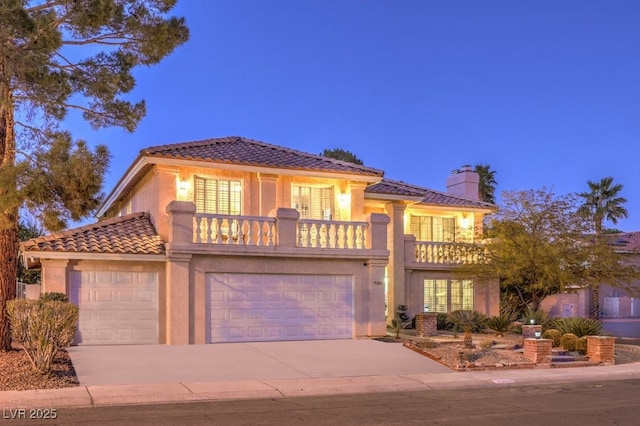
463,183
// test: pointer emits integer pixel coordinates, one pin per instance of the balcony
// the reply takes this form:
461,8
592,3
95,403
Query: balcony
441,253
282,232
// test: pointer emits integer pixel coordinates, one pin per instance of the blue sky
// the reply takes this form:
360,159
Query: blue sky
546,92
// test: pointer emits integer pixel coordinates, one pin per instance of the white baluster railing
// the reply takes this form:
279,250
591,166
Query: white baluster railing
332,234
234,230
446,253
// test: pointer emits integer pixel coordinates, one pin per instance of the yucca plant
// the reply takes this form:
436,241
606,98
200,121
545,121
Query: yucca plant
579,326
468,321
500,324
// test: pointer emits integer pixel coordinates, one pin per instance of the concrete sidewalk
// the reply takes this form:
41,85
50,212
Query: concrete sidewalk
300,378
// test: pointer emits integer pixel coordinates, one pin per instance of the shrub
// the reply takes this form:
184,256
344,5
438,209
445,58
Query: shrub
463,319
581,345
443,323
42,328
578,326
499,324
553,335
568,341
53,297
539,317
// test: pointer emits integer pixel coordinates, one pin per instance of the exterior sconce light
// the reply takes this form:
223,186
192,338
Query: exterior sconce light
344,200
537,333
183,187
465,222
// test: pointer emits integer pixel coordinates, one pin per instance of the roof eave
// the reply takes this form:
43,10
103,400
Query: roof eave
132,174
29,257
391,197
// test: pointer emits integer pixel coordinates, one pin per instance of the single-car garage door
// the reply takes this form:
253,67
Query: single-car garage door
270,307
115,307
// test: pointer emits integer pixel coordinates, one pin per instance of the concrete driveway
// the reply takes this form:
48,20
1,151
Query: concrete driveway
156,364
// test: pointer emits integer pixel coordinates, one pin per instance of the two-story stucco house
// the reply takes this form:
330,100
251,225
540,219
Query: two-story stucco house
232,239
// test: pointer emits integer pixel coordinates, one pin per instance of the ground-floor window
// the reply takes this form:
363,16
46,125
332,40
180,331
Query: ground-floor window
444,295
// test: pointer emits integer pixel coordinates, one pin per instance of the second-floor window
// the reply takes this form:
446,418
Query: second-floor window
312,202
433,228
218,196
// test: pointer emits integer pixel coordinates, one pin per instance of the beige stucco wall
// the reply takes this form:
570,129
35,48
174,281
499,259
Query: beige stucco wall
262,193
577,303
486,297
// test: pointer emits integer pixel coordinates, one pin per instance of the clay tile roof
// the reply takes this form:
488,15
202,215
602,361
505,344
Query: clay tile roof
429,196
394,187
131,234
627,241
239,150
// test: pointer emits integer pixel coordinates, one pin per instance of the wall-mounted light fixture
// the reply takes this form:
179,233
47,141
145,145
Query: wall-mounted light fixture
465,222
183,189
344,200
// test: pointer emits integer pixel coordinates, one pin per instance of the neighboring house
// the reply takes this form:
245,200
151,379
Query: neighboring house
615,303
231,239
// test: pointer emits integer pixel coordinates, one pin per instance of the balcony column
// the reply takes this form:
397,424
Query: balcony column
376,325
181,221
396,295
356,190
177,269
286,227
268,193
377,231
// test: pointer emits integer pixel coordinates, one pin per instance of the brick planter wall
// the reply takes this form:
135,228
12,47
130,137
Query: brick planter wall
529,331
538,351
426,324
601,349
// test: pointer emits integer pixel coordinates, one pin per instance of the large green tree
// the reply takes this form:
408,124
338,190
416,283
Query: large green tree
602,202
56,56
541,245
342,155
487,183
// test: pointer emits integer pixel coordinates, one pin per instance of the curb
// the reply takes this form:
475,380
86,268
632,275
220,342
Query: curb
96,396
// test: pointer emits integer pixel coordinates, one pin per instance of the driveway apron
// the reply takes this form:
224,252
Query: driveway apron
155,364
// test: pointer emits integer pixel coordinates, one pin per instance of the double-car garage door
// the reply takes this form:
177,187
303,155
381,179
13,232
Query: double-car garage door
271,307
115,307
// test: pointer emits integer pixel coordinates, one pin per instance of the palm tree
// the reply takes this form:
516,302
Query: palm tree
487,183
601,203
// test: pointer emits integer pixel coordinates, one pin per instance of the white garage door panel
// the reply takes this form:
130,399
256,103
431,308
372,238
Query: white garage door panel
115,307
251,307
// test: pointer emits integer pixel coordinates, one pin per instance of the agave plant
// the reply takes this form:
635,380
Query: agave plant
500,324
578,325
468,321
